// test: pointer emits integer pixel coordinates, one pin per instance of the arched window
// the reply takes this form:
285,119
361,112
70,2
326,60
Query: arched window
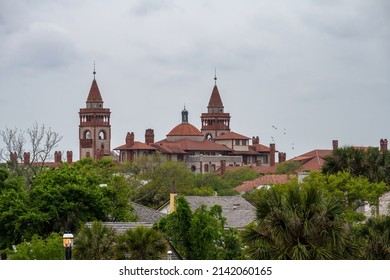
102,135
87,134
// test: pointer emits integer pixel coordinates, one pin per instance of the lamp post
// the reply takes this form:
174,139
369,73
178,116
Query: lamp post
68,243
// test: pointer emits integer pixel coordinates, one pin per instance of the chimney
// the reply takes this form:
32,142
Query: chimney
255,140
172,198
57,156
335,144
223,166
383,145
26,158
130,139
14,157
69,157
149,136
282,157
272,154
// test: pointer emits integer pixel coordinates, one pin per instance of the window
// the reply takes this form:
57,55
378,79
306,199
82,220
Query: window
193,168
87,134
237,142
206,168
102,135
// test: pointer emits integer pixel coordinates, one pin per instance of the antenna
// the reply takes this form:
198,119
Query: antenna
94,70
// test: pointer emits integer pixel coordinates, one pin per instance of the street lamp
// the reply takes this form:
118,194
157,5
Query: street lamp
68,243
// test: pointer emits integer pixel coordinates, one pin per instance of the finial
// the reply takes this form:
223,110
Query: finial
215,75
94,71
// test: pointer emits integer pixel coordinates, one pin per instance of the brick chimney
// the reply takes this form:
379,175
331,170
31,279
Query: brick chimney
149,136
223,166
130,139
272,154
335,144
57,156
13,157
282,157
255,140
26,158
383,145
69,157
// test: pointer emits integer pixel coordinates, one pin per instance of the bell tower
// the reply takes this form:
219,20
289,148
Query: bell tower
215,122
94,128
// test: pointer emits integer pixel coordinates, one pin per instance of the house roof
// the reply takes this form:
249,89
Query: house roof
215,99
270,179
136,146
185,129
313,160
237,211
231,136
94,93
146,214
260,148
187,145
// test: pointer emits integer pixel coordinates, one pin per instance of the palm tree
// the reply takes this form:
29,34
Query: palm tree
374,236
141,243
299,224
95,243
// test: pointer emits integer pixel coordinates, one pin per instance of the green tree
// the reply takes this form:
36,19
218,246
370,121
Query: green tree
374,237
37,248
353,191
96,242
298,224
141,243
200,235
288,167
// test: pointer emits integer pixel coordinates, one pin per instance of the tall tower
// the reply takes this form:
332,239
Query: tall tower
94,128
215,122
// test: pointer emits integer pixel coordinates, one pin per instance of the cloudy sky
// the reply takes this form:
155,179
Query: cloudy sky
315,70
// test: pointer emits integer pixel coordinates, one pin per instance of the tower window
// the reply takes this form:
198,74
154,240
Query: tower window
102,135
87,134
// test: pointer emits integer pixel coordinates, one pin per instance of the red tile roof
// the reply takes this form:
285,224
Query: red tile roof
231,136
137,146
191,145
215,99
185,129
271,179
313,160
94,93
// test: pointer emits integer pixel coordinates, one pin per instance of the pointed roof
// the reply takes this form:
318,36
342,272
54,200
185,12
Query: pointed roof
94,93
215,99
231,136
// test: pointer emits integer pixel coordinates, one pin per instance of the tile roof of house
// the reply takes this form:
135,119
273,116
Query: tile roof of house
313,160
260,148
269,179
184,145
231,136
94,93
237,211
185,129
146,214
215,99
136,146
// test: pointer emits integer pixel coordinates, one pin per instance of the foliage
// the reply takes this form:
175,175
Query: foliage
353,191
288,167
200,235
299,224
370,163
374,236
94,243
141,243
50,248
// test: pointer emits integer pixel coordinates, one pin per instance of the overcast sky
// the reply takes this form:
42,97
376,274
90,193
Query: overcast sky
315,70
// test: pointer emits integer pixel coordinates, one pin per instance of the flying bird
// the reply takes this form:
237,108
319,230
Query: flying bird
274,127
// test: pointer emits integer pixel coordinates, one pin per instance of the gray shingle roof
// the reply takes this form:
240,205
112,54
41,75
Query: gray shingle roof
146,214
237,211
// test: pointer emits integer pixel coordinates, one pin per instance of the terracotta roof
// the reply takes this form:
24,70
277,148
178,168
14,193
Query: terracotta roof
231,136
137,146
94,93
313,160
184,145
260,148
215,99
270,179
185,129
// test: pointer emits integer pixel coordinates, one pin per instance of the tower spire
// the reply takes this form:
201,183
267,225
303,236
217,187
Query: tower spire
215,75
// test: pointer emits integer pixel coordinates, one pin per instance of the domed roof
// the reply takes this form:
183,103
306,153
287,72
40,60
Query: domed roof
185,129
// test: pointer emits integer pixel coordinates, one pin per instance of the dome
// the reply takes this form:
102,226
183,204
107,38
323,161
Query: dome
185,129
